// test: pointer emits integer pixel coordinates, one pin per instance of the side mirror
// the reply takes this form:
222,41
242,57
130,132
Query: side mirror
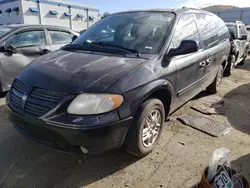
74,38
243,37
186,47
10,48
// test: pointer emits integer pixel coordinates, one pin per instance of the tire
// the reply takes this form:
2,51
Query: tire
230,67
134,143
243,61
1,87
213,87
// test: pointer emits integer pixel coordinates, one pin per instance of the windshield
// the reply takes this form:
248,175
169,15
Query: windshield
248,28
141,31
232,29
4,30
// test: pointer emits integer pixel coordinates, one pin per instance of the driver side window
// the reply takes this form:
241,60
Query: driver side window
186,29
26,39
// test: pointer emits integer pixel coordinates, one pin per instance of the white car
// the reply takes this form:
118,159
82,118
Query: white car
248,29
241,39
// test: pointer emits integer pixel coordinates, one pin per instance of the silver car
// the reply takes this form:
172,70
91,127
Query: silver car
21,44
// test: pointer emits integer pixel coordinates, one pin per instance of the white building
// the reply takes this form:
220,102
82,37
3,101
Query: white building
48,12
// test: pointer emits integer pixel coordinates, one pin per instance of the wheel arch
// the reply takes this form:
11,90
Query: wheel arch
160,89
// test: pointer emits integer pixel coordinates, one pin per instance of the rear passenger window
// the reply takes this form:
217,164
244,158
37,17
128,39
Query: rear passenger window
186,29
27,39
212,29
60,37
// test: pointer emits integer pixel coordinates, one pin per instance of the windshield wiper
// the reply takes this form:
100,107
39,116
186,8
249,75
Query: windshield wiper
76,46
102,44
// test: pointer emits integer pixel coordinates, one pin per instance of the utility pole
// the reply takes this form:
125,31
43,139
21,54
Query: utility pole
87,18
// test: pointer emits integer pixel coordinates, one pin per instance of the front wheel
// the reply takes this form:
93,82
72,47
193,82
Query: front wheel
213,87
146,128
244,59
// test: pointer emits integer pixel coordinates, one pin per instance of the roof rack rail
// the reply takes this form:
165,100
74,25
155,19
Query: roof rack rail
237,21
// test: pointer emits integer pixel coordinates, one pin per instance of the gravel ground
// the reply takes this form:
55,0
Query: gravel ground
25,164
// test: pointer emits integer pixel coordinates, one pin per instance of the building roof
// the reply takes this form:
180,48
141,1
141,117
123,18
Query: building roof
57,2
71,3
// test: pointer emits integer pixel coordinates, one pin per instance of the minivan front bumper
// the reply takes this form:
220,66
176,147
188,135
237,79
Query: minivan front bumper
69,138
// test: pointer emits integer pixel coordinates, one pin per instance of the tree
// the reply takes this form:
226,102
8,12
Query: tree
105,14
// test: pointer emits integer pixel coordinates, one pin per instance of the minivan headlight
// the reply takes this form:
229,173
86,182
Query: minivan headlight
90,104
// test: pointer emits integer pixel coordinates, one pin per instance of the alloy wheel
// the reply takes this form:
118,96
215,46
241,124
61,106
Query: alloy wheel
151,128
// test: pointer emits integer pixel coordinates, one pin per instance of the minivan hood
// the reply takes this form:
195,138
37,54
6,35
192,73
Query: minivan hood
73,72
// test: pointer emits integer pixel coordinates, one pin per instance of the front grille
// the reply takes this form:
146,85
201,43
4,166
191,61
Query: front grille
20,86
16,94
38,101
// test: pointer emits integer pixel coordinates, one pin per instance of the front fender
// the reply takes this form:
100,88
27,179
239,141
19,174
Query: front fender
135,97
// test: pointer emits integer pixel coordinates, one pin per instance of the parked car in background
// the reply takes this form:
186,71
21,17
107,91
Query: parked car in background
108,89
21,44
232,57
248,28
241,39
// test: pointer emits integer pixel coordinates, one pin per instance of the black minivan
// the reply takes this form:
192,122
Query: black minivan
117,83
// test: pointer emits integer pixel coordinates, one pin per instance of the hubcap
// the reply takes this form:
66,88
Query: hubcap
151,128
219,77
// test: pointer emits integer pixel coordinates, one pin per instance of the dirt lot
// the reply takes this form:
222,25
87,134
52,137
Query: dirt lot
24,163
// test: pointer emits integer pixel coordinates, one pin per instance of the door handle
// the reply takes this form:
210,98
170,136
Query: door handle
208,61
202,64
